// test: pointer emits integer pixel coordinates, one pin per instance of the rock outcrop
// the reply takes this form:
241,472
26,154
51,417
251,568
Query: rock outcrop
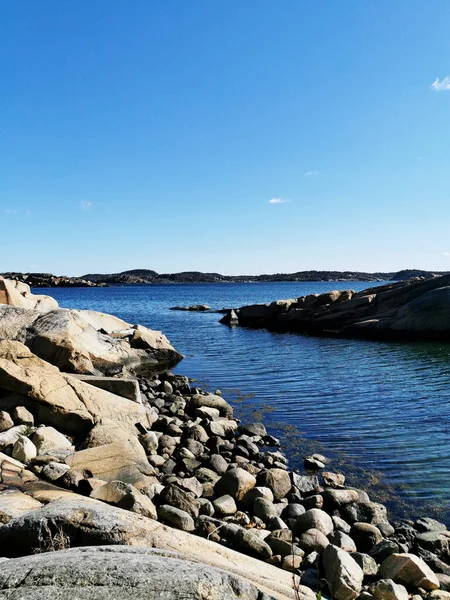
16,293
415,309
80,341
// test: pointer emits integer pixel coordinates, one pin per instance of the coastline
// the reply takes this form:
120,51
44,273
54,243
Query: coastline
102,468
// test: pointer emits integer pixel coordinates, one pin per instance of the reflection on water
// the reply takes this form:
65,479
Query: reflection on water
379,407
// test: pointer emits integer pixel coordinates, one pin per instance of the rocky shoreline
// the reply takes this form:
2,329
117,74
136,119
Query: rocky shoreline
162,493
415,309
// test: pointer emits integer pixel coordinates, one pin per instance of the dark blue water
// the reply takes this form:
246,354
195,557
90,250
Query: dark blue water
380,409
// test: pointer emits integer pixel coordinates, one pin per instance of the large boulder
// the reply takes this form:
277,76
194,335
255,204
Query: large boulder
121,572
84,341
85,522
16,293
343,574
409,570
54,398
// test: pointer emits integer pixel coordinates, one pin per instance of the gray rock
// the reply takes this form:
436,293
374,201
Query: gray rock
24,450
218,464
277,480
343,541
366,536
253,429
386,589
5,421
235,482
264,509
224,506
179,498
343,574
428,524
305,483
313,540
250,543
176,517
22,416
128,573
54,470
48,438
366,562
314,519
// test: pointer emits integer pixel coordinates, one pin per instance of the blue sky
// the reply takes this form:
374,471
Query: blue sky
154,134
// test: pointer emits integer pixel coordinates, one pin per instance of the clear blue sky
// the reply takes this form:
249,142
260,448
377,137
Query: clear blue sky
154,133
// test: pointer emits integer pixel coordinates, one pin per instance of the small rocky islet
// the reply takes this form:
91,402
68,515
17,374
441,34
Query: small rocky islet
156,490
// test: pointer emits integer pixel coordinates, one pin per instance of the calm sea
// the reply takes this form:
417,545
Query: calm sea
379,410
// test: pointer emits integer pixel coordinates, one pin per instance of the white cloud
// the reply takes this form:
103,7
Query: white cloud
10,211
278,201
441,86
85,205
312,173
446,253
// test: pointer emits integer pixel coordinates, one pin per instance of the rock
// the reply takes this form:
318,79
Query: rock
277,480
176,517
213,401
193,308
292,511
125,496
340,497
10,436
48,438
218,464
428,524
264,509
123,572
54,470
312,464
436,541
305,483
313,540
224,506
22,416
409,570
386,589
366,562
94,524
384,549
14,503
179,498
17,293
343,574
444,581
343,541
253,429
5,421
291,562
334,480
84,341
117,461
314,519
24,450
236,483
366,536
56,399
250,543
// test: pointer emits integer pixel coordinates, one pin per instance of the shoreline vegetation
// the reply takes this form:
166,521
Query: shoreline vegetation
103,449
146,276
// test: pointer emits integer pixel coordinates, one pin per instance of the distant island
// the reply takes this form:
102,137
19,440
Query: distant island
147,277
